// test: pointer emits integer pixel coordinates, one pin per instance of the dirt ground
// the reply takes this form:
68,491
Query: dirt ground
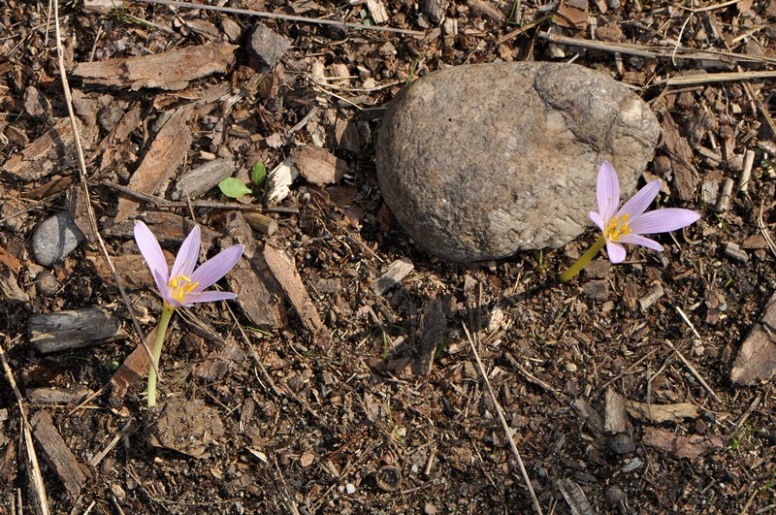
324,389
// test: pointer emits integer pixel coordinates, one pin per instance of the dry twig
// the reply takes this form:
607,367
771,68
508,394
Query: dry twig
504,424
85,184
276,16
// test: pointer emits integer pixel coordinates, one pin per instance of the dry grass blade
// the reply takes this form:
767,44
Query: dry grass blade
694,372
504,424
85,184
275,16
41,500
708,78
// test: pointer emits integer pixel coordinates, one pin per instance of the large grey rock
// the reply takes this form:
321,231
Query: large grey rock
482,161
55,238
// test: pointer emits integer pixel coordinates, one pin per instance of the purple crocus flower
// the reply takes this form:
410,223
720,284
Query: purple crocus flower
186,285
631,222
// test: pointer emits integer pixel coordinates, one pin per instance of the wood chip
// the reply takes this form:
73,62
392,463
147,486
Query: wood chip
58,395
58,455
690,447
132,269
392,276
434,326
615,420
288,277
166,153
52,152
133,368
686,177
202,179
64,330
659,413
575,497
732,250
377,11
318,165
170,70
655,294
756,361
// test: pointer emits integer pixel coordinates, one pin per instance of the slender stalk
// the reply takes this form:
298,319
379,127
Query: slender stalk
164,321
583,261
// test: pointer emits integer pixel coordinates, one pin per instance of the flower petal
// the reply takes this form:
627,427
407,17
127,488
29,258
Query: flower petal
635,239
639,202
209,296
616,252
663,220
152,253
608,191
188,254
215,268
596,218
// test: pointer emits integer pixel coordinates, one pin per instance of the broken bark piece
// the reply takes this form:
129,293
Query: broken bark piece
169,229
261,223
290,281
170,70
202,179
258,294
58,395
318,165
132,269
392,276
756,361
615,420
377,11
58,455
690,447
259,303
76,206
686,177
575,497
655,294
434,323
50,153
268,45
134,367
63,330
187,427
113,148
166,154
217,364
659,413
9,286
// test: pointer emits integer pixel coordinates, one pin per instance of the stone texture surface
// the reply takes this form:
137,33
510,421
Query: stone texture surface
268,45
479,162
55,238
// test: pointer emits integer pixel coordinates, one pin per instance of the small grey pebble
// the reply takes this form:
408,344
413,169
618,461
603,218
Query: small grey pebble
55,238
621,443
614,495
47,284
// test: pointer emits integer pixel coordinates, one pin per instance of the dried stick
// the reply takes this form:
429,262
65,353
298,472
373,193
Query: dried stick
41,501
707,78
694,372
286,17
85,184
504,424
644,51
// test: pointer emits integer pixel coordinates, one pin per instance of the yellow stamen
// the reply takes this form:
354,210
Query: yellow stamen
617,228
181,286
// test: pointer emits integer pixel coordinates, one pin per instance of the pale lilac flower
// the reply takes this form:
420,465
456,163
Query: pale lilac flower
630,222
185,286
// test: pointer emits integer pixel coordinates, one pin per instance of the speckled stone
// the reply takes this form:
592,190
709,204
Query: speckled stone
479,162
55,238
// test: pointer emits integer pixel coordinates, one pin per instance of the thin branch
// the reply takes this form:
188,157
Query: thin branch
34,467
707,78
504,424
286,17
85,184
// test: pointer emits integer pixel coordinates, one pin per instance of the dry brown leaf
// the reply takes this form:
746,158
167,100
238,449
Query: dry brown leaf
690,447
660,413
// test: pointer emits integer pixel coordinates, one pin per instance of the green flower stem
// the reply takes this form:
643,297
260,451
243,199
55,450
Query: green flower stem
583,261
164,321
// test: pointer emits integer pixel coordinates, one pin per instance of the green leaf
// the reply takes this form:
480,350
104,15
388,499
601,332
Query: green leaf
233,188
258,174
